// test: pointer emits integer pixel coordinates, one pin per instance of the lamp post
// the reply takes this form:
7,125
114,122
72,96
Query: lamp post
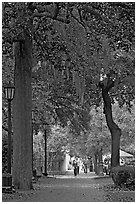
45,135
9,91
32,138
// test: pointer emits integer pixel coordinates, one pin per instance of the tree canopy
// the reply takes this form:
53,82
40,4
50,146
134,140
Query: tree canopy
79,47
71,48
71,52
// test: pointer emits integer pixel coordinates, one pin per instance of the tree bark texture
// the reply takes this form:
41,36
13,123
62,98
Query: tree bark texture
22,123
100,161
95,162
113,127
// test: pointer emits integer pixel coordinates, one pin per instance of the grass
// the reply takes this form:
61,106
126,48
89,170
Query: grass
116,194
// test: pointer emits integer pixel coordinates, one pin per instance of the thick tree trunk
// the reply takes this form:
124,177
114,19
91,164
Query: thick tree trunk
22,130
113,127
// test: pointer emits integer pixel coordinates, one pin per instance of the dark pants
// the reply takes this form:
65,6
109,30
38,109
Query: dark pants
75,171
85,168
78,169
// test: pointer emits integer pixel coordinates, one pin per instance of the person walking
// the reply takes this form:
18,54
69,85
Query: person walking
78,165
85,166
75,166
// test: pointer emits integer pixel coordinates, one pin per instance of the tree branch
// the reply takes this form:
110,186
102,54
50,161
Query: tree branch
95,13
6,129
56,12
48,15
80,16
37,14
81,22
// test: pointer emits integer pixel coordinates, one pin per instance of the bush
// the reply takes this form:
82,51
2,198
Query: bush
124,176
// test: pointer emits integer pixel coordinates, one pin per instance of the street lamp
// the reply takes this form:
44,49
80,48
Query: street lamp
45,134
32,137
9,91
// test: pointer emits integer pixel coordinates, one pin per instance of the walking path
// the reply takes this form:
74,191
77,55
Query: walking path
67,188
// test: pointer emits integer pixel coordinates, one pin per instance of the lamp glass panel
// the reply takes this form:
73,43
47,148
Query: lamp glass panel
9,92
13,89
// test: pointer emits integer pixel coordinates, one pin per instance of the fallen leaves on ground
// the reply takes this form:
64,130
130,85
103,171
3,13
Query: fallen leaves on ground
117,194
17,195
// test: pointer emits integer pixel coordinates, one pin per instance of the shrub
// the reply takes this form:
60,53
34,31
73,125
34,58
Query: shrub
123,176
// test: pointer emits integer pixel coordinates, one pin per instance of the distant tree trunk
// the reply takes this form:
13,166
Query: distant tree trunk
100,155
113,127
100,161
95,162
22,124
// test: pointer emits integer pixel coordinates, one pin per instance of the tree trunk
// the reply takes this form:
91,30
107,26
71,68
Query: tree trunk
100,162
22,124
113,127
95,163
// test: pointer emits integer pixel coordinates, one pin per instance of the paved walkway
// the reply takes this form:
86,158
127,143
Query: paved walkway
68,188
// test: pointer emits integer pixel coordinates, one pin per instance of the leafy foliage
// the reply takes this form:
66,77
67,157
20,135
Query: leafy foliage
98,136
126,121
58,140
38,150
57,101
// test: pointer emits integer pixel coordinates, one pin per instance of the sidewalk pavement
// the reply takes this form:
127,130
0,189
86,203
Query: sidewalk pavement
65,188
70,174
